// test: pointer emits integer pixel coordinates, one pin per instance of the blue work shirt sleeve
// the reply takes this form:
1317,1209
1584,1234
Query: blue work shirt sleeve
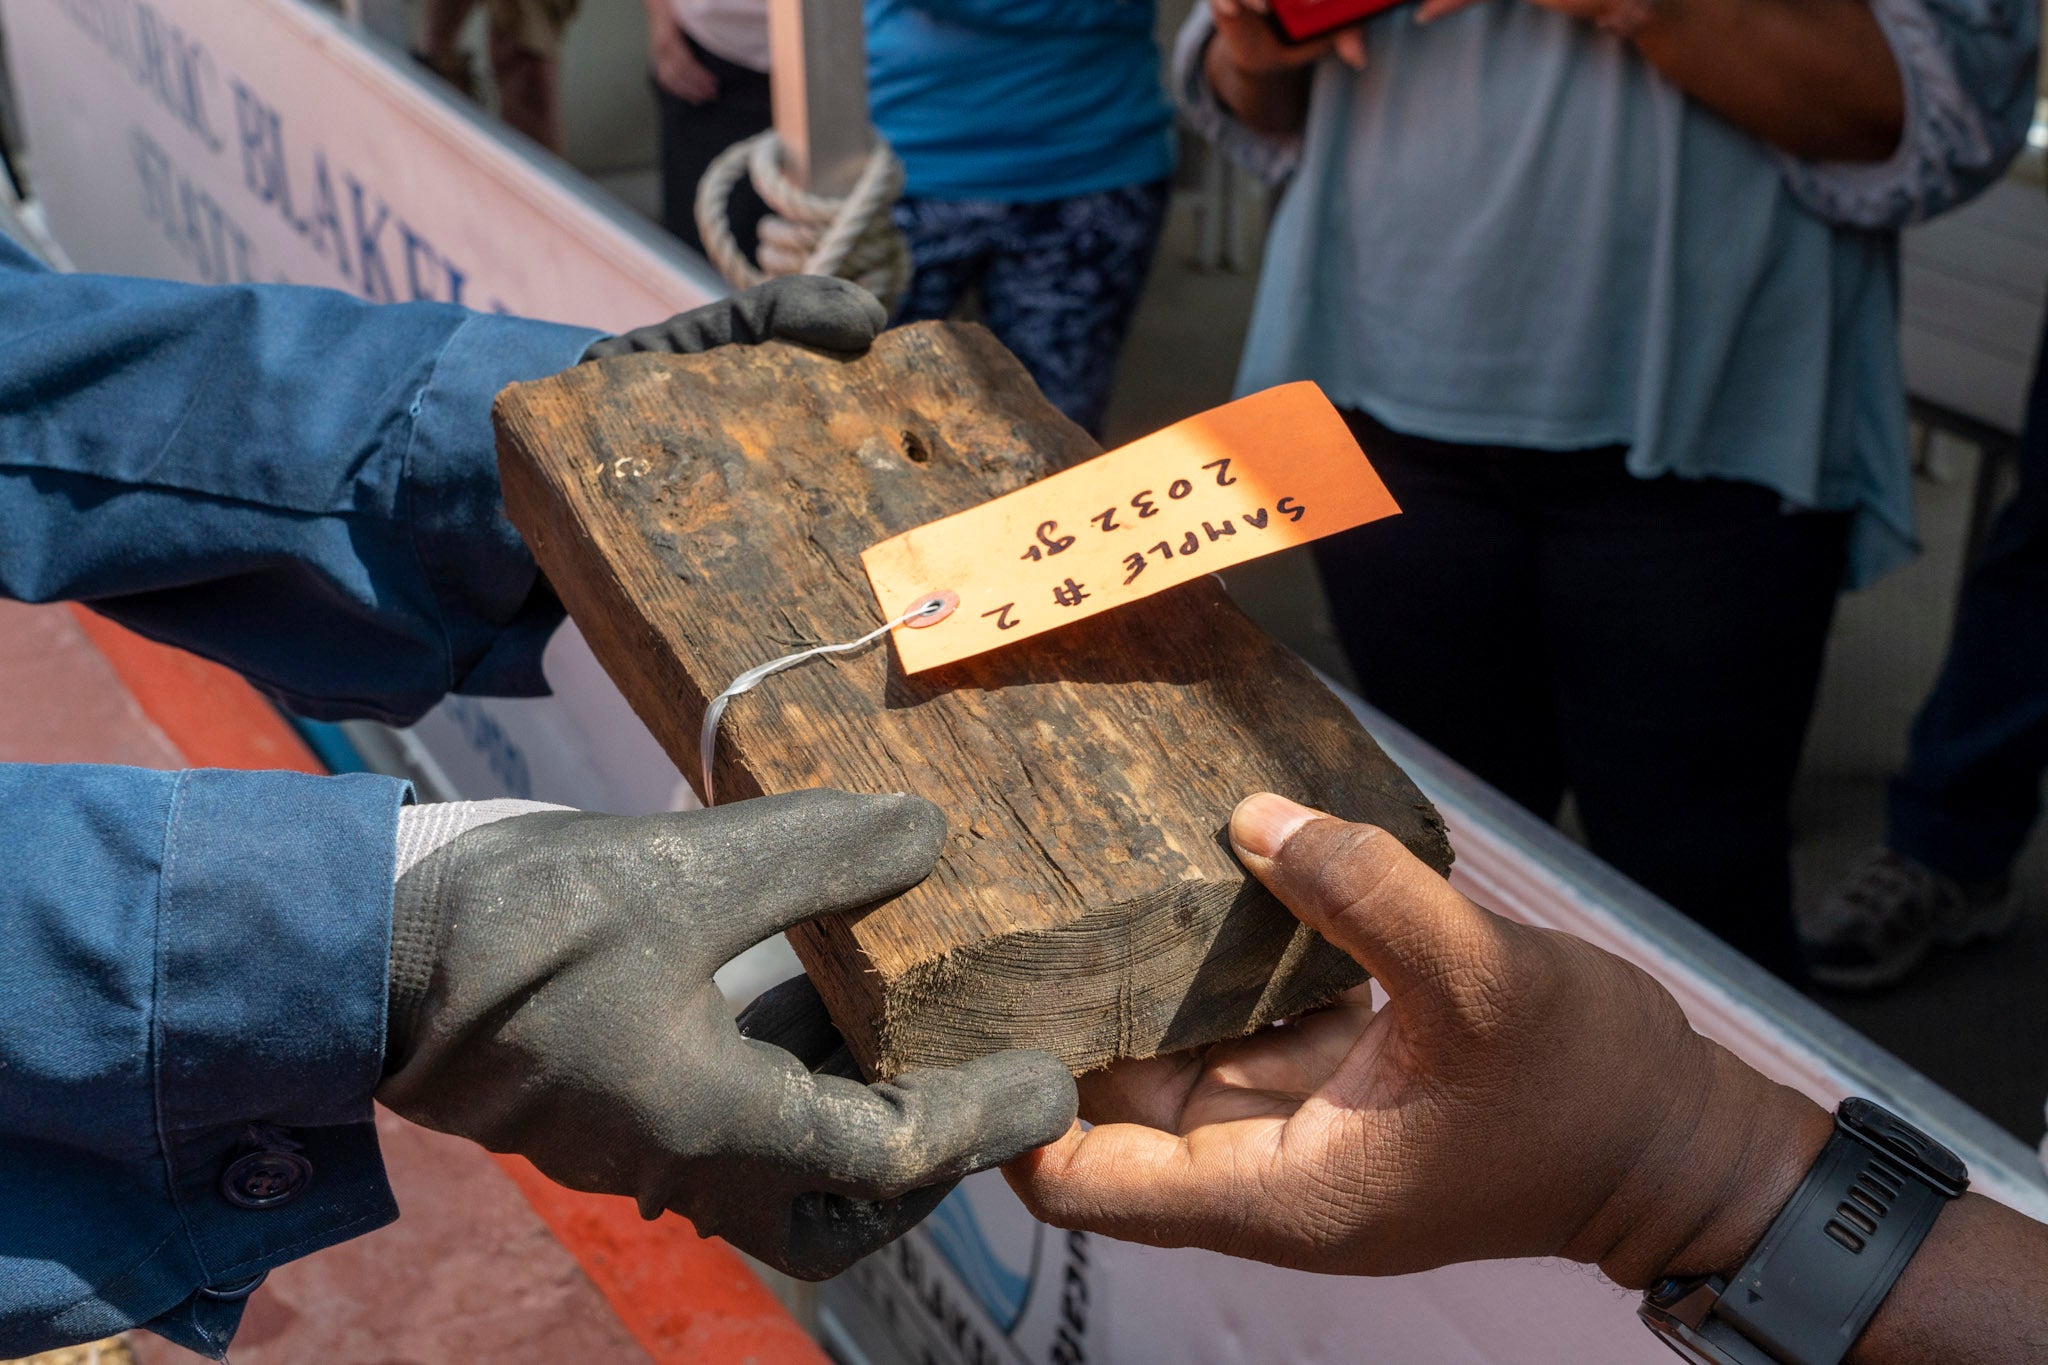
291,481
192,999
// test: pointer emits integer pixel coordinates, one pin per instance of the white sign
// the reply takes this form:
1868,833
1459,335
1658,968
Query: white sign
260,140
981,1283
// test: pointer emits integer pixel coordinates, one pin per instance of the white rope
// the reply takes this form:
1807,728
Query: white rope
924,611
807,234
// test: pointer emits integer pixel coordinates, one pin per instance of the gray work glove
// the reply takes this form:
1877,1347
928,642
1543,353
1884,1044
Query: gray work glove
810,310
551,995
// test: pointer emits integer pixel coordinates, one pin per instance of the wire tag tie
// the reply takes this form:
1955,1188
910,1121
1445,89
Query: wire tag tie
928,610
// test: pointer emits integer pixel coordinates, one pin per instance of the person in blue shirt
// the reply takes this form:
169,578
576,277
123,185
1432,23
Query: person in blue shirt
1610,291
1037,143
209,975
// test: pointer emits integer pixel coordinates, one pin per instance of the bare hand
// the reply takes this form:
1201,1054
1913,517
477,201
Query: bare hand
1245,38
1522,1093
676,68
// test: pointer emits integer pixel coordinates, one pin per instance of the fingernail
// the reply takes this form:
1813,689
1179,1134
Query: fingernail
1262,824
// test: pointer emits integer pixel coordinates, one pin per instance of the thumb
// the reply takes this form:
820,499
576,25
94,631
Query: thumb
930,1127
1358,887
1350,48
810,310
790,858
1137,1184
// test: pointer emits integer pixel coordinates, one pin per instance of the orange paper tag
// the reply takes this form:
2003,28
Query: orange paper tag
1262,474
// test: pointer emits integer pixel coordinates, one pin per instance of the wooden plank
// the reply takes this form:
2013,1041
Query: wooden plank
700,515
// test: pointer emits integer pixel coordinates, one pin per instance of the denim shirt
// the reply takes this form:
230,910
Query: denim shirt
1510,229
302,486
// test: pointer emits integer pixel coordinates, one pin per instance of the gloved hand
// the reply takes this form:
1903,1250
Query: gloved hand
551,995
810,310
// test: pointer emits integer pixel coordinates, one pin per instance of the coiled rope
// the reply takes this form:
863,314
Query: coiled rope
807,234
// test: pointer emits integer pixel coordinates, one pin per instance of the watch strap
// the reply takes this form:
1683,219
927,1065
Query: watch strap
1832,1255
1682,1313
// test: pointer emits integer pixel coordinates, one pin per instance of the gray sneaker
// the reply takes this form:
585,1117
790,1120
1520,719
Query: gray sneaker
1884,917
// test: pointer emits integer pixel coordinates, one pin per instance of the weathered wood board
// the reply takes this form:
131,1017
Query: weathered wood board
700,515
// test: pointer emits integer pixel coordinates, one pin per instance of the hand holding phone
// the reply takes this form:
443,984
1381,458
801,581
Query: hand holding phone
1251,37
1300,21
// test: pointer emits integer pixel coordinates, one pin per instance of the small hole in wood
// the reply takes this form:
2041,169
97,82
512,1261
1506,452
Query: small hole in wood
914,448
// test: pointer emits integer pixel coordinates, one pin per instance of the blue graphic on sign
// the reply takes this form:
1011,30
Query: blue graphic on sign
1002,1282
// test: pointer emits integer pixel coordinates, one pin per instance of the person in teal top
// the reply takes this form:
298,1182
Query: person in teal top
1609,289
1037,142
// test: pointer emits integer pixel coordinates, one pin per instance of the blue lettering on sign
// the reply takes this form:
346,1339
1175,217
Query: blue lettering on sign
950,1321
376,252
501,755
158,56
263,166
197,227
327,217
1069,1342
362,250
376,281
421,263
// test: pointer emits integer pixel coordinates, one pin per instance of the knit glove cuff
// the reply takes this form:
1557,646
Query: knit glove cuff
416,905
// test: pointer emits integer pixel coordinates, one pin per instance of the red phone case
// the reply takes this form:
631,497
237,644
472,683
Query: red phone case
1300,20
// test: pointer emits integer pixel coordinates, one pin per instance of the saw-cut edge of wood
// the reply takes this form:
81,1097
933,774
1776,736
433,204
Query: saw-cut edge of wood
699,515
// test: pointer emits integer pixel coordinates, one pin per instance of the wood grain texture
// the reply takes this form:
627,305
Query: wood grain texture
700,515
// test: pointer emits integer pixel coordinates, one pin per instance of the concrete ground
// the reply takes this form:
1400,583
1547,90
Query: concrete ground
1976,1021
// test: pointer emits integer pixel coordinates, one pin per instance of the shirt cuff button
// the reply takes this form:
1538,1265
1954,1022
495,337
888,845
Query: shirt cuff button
265,1180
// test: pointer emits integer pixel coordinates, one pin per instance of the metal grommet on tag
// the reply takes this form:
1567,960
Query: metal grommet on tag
931,609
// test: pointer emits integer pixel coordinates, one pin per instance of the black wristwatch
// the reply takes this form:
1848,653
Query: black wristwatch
1815,1281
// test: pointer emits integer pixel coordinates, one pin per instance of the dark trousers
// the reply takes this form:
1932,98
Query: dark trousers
1972,785
1058,279
691,135
1650,645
